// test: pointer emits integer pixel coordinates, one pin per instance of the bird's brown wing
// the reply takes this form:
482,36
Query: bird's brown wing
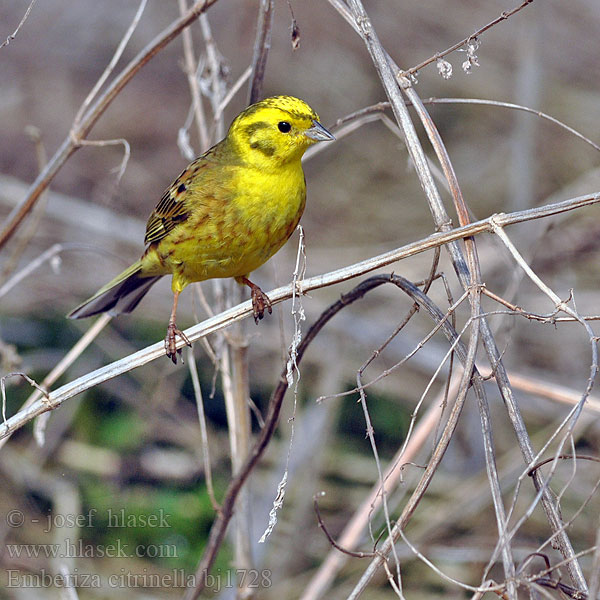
174,207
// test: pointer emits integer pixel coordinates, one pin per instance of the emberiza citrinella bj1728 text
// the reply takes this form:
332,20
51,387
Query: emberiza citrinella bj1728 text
230,210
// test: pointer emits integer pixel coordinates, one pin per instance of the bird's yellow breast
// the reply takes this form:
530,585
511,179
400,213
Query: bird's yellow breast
231,235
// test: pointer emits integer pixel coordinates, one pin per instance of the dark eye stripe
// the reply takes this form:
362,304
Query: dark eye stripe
254,127
264,146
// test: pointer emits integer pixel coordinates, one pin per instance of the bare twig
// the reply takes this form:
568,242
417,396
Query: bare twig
111,65
328,535
386,372
217,71
46,256
383,64
262,45
88,120
13,35
235,88
353,531
190,72
503,17
372,112
469,275
595,568
26,236
562,457
26,377
473,283
116,142
68,359
512,106
219,527
561,305
244,309
543,388
203,430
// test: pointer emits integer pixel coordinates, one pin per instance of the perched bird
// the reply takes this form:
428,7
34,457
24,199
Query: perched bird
228,212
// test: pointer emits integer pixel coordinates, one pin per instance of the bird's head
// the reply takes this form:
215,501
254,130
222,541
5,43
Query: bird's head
276,131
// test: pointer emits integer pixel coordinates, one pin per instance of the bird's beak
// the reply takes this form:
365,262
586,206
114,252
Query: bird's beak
318,133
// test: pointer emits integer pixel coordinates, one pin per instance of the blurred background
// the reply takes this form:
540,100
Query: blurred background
131,447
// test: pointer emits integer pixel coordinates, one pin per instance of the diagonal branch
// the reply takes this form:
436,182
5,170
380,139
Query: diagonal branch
222,320
219,527
393,79
88,120
503,17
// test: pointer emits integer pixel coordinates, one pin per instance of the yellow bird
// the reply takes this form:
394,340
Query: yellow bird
229,211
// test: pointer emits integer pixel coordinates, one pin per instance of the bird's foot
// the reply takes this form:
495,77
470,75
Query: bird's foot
260,302
171,341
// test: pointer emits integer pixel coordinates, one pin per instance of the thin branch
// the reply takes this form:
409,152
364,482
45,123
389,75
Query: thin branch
372,112
222,320
68,359
36,263
392,79
262,45
595,568
473,284
562,457
468,273
216,71
73,141
328,535
13,35
219,526
548,501
203,429
503,17
37,213
567,590
353,531
190,66
512,106
560,304
467,357
235,88
116,142
111,65
26,377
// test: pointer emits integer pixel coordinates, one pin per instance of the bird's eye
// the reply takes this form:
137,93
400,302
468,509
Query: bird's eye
284,126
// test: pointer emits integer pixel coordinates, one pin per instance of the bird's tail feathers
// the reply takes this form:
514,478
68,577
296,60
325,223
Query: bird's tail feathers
121,295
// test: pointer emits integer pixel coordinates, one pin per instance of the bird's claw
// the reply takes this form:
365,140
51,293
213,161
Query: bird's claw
171,342
260,302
